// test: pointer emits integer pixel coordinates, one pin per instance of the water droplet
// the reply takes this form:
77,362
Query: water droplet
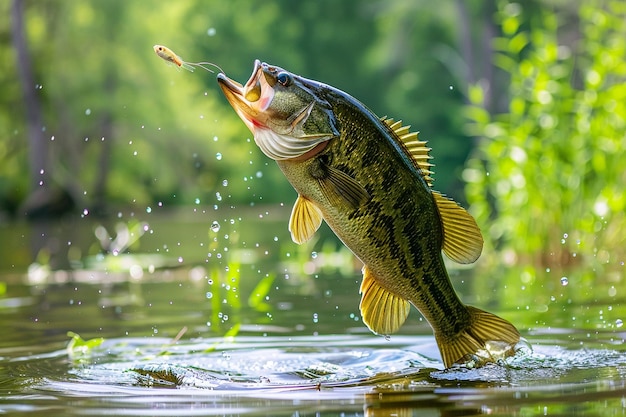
619,323
197,201
218,156
225,183
85,212
564,281
180,259
211,32
259,174
215,226
87,112
209,295
313,255
148,209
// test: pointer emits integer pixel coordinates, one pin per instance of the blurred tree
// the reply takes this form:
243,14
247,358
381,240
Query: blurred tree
122,128
44,200
546,182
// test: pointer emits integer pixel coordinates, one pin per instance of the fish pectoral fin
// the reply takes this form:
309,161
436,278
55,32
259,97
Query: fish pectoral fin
488,337
382,311
340,189
305,219
462,240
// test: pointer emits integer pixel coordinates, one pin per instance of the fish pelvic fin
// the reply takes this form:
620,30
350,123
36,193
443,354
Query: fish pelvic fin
383,312
342,190
487,339
462,240
305,219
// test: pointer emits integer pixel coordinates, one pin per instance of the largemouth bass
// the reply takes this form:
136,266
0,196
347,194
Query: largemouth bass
370,180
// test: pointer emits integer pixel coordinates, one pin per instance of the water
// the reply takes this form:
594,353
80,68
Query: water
272,329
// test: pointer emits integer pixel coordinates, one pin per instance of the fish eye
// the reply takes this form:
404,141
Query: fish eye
284,79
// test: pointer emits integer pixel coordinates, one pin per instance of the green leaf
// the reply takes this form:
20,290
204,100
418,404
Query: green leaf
78,347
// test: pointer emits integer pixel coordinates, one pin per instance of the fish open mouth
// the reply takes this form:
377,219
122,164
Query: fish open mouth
279,133
234,90
251,99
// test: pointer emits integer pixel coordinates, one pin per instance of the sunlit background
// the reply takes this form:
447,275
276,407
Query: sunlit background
119,169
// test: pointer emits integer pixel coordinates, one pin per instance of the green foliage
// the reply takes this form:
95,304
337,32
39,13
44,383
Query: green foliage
546,182
79,349
126,129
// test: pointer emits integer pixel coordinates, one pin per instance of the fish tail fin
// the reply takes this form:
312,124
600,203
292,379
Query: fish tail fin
487,339
187,66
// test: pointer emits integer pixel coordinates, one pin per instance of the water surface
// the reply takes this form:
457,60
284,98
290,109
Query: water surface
248,324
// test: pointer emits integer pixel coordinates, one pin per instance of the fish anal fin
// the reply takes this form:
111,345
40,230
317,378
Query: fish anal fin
462,240
305,219
382,311
488,339
340,189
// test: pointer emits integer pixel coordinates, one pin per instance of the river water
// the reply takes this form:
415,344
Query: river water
204,312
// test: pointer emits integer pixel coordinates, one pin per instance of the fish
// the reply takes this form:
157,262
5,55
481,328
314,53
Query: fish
370,179
167,54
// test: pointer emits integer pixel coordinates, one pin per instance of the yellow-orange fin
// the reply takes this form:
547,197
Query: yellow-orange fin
488,338
462,240
340,189
305,219
382,311
415,148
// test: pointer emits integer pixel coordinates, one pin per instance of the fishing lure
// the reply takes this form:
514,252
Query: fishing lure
167,54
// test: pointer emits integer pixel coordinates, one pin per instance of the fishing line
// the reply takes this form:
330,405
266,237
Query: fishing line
202,65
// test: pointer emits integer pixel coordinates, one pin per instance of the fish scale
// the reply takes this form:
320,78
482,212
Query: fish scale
369,179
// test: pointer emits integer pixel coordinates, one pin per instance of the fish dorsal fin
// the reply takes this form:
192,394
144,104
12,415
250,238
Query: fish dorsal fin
340,189
305,219
462,240
415,148
382,311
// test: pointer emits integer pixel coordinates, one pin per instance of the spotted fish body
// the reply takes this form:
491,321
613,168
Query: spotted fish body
369,179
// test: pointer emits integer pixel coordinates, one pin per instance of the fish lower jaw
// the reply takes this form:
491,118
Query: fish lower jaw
281,147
